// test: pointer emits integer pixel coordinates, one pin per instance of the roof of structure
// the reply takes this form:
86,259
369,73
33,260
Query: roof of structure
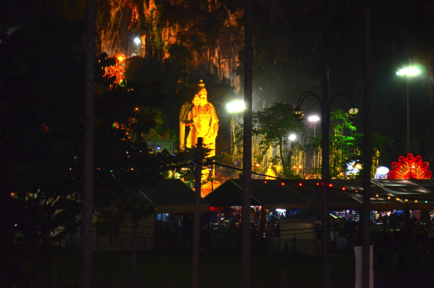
344,194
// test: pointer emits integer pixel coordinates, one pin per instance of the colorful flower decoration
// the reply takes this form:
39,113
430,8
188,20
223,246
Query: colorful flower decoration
410,168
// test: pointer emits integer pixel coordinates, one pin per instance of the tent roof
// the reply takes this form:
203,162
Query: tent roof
272,194
311,211
338,198
419,193
230,193
171,196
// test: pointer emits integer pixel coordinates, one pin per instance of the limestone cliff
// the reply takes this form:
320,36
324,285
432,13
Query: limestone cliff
163,24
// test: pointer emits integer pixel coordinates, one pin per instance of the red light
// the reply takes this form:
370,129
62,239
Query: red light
330,185
317,184
343,188
265,181
357,191
410,167
300,184
283,184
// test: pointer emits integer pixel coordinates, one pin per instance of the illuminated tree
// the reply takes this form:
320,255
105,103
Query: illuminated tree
274,125
410,168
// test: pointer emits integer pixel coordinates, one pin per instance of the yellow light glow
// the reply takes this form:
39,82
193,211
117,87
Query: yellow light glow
406,200
388,197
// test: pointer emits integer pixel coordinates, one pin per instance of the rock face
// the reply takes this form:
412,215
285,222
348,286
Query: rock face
114,23
121,21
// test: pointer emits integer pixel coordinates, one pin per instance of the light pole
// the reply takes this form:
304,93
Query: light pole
137,41
314,119
325,125
291,139
234,107
408,72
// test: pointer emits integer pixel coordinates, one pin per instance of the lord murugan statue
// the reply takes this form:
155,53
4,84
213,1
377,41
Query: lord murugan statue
201,117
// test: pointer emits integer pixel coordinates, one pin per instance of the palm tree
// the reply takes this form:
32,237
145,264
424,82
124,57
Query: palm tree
86,268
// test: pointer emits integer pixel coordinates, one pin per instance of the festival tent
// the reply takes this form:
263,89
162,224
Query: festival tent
230,193
343,194
389,194
272,194
312,212
171,196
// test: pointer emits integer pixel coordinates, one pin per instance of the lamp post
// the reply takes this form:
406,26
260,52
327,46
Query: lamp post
408,72
325,125
314,119
291,138
137,41
234,107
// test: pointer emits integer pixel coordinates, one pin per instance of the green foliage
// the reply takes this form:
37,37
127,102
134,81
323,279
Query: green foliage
274,126
42,87
347,146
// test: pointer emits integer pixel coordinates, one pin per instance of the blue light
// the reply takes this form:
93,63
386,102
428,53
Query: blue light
158,147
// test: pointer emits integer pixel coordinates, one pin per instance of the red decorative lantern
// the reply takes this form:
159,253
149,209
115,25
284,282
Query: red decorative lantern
410,168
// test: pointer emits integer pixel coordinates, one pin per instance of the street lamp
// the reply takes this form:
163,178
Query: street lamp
137,41
408,72
292,137
314,119
234,107
325,125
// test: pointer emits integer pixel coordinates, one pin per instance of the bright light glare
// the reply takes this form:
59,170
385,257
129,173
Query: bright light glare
236,106
313,118
382,170
137,40
408,71
292,137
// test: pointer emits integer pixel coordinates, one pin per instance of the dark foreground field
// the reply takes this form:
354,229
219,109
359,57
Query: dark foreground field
221,268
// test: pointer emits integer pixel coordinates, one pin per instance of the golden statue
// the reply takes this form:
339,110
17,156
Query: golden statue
202,119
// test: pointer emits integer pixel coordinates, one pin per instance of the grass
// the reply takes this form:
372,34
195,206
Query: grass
218,268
